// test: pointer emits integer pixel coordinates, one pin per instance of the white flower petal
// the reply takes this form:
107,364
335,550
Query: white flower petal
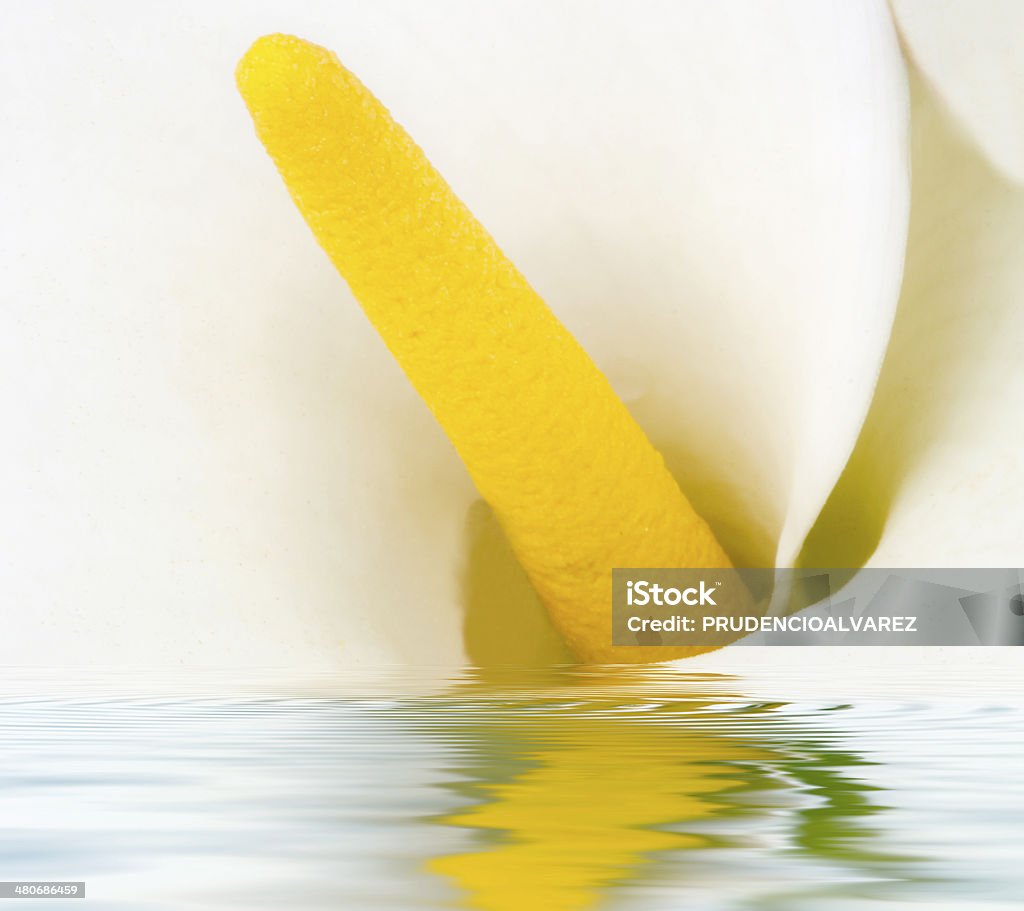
214,459
970,51
939,472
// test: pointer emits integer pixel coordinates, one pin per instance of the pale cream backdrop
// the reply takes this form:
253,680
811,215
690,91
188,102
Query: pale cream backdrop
210,459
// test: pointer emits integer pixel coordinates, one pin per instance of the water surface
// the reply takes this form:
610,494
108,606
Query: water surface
568,789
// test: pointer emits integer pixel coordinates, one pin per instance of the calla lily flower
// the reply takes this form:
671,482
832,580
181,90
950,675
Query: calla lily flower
211,457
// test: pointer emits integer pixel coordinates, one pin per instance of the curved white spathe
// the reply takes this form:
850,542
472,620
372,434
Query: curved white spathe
970,51
212,458
952,392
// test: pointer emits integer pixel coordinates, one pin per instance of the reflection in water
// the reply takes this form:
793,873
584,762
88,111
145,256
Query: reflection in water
579,793
590,811
642,789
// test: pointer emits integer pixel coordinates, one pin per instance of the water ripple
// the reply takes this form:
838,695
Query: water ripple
517,790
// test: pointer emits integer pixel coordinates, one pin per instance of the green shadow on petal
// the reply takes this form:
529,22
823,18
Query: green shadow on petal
934,337
504,622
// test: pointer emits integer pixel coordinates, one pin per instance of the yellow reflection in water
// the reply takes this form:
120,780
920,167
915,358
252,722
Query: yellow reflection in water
591,811
580,782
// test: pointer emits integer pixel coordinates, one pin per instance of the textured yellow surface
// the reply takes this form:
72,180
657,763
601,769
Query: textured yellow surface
572,478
